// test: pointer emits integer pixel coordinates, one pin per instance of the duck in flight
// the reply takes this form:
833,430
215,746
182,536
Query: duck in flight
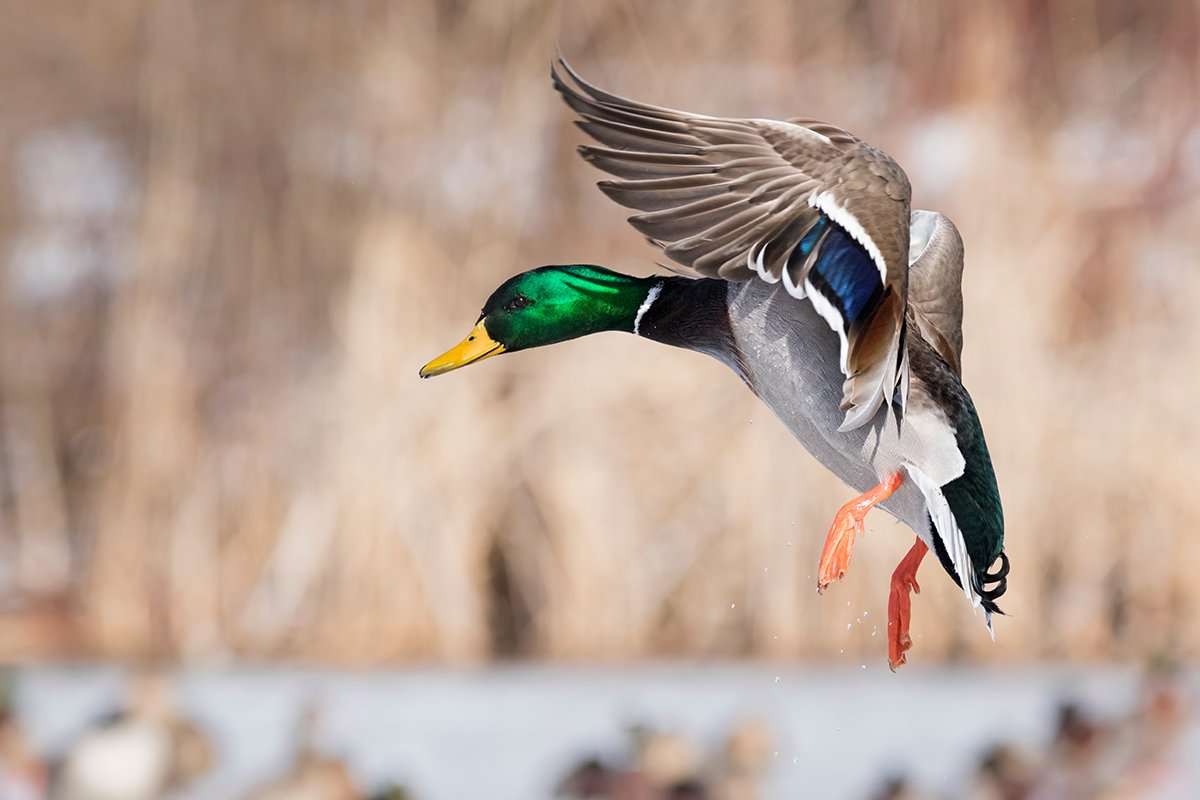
815,281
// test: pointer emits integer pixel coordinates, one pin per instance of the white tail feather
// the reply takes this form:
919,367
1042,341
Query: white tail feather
945,527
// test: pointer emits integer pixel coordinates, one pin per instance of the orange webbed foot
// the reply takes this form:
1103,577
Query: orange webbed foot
904,581
848,524
839,546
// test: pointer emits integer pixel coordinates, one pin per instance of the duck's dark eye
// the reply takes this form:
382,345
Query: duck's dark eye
518,302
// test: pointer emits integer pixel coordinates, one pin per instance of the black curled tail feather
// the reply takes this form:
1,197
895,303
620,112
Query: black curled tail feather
983,578
1000,580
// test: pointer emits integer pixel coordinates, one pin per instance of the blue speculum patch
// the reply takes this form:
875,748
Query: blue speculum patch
810,239
844,270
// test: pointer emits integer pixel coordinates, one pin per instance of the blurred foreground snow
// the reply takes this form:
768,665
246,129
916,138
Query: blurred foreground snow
512,733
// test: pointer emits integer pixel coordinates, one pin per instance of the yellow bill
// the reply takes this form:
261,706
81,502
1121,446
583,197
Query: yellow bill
476,347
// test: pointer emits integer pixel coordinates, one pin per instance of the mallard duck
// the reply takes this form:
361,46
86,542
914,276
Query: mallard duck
815,281
146,750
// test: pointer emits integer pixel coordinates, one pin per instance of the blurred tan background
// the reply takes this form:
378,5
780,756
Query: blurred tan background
231,233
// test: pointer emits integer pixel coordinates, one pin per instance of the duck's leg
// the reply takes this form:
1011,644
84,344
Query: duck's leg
904,580
839,542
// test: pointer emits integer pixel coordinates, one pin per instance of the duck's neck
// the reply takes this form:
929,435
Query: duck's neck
689,313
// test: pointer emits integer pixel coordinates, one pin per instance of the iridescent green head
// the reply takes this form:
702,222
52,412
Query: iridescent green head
546,306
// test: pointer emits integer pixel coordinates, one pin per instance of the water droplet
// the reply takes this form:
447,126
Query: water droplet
777,679
733,605
864,666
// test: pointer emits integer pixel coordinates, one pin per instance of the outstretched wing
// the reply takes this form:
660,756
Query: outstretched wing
800,202
935,265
